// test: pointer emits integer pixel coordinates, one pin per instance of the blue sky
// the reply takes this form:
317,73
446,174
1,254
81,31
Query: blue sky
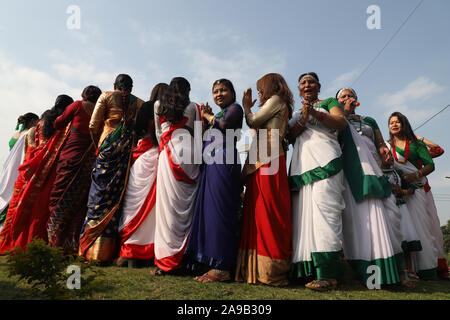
204,40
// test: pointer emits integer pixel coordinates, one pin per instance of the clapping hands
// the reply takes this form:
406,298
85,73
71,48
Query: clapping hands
247,101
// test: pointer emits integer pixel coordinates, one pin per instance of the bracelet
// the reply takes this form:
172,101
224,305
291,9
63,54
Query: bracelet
418,174
211,122
301,125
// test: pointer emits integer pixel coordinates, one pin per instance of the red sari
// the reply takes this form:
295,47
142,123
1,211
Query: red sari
28,211
266,229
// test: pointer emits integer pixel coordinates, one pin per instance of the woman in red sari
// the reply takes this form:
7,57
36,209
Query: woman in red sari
266,228
68,197
28,211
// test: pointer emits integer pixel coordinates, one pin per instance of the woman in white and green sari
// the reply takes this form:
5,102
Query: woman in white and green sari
371,219
413,159
316,182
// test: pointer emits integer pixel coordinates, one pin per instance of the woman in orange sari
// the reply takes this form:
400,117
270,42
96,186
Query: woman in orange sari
28,211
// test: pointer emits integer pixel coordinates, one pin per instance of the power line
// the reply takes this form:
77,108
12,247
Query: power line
431,118
387,43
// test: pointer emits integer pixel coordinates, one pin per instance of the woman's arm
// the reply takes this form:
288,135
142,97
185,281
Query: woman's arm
266,112
426,170
334,120
63,120
299,125
381,146
434,149
158,130
427,161
427,142
98,118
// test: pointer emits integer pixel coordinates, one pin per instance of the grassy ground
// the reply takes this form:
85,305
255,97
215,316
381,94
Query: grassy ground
137,284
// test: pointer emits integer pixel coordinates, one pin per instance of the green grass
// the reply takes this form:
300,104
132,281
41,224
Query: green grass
137,284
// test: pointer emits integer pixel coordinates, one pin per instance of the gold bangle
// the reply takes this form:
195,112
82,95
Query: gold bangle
211,122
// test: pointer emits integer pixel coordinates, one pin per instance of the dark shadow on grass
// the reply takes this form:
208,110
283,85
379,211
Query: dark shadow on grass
10,291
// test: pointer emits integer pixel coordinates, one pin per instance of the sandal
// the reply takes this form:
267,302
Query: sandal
322,284
175,272
412,275
159,272
213,276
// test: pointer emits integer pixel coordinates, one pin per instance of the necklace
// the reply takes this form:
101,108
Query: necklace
394,152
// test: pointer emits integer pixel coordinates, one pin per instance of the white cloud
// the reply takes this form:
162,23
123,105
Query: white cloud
23,90
79,71
418,90
410,99
242,67
206,57
343,80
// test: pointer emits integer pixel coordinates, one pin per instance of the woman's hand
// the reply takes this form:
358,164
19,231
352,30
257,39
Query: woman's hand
307,110
205,109
396,189
411,177
348,104
206,112
385,154
247,102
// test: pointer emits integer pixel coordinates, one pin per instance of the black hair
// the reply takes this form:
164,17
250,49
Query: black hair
91,93
181,85
312,74
49,116
406,126
227,84
175,100
158,91
27,119
125,84
146,112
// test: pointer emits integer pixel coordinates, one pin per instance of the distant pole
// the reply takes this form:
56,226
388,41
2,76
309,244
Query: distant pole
448,177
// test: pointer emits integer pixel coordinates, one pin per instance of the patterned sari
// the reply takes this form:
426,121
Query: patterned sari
99,235
70,192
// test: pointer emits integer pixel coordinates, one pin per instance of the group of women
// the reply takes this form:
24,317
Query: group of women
116,179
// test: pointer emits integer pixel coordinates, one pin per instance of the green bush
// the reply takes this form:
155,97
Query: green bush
45,269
